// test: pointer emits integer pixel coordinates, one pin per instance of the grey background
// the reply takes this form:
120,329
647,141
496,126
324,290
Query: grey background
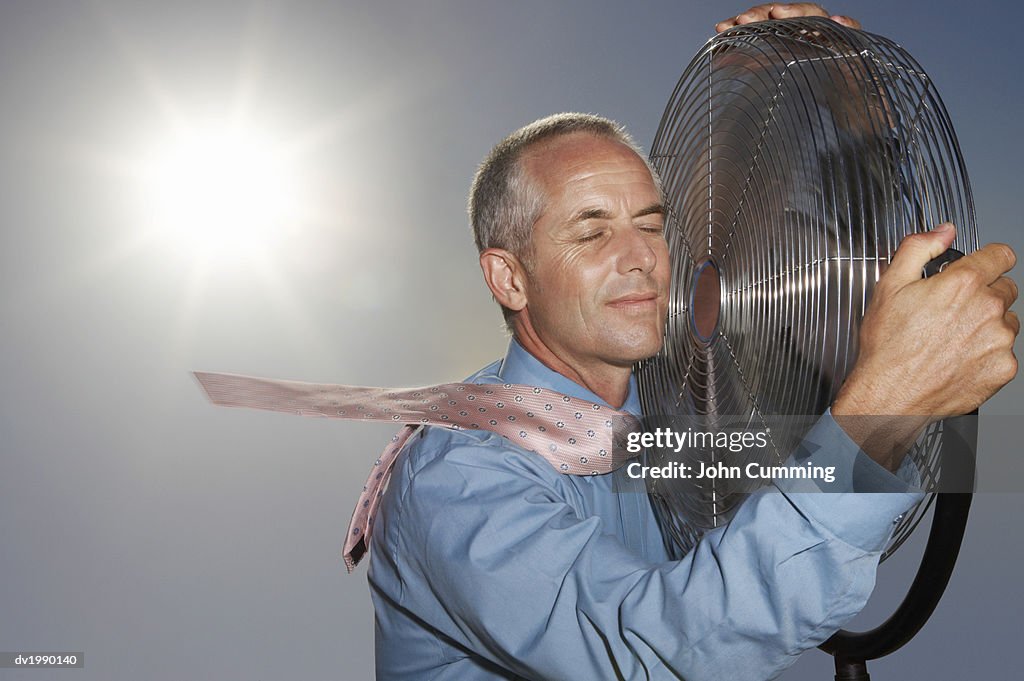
168,539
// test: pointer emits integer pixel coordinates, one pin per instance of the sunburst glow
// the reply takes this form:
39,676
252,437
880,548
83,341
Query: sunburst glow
224,191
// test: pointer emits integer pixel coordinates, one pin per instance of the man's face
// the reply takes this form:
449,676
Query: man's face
597,290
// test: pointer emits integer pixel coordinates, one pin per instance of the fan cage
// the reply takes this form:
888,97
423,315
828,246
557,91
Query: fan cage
795,156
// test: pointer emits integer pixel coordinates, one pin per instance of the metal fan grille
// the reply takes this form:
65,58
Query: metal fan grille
795,155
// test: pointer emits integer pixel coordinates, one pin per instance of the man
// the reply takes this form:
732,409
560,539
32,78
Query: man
487,563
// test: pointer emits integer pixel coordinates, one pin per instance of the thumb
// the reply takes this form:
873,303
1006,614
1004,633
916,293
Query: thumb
846,21
915,251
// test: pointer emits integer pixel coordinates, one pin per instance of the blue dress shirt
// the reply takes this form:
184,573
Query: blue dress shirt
487,563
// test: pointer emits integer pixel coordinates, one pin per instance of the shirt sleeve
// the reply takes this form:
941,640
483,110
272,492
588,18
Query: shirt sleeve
827,444
490,552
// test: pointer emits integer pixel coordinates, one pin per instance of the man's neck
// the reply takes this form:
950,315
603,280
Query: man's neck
610,383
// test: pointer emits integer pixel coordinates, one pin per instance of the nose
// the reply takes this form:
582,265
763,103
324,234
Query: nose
636,252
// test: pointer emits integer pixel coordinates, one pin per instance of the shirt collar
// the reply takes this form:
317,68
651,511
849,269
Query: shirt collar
519,366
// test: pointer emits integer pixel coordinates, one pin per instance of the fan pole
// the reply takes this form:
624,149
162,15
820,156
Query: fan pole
851,670
949,521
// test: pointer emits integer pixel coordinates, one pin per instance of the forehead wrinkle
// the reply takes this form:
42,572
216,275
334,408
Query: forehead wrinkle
560,171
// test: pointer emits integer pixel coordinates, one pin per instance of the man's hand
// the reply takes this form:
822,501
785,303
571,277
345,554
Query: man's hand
788,10
929,348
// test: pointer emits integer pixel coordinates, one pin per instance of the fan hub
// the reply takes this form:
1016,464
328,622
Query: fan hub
705,300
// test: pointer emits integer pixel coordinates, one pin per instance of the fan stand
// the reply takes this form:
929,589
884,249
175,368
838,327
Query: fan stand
852,650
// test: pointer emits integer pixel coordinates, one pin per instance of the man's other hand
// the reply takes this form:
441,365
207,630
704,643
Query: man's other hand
786,10
930,348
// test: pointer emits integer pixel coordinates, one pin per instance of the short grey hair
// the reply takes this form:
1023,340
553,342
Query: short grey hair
504,203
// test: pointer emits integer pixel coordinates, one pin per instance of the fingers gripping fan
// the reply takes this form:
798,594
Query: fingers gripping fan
795,155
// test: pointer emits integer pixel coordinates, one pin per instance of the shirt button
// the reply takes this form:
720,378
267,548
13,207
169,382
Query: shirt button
897,519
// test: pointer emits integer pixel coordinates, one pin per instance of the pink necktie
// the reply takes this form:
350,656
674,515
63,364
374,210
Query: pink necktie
574,435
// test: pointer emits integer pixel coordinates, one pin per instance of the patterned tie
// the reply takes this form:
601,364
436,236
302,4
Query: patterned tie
575,436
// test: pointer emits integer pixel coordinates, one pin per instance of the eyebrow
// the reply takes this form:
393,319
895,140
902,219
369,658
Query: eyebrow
653,209
602,214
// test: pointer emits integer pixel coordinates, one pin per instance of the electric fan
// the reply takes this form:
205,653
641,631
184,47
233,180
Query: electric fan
795,155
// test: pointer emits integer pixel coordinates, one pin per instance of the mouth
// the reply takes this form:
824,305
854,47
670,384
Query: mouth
636,301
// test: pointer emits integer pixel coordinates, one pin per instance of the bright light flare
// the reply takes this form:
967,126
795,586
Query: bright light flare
226,193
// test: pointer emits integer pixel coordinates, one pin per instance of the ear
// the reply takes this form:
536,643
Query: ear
505,276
